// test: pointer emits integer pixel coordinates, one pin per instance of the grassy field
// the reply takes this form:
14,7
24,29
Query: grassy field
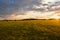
30,30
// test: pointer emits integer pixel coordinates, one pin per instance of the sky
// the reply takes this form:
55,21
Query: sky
25,9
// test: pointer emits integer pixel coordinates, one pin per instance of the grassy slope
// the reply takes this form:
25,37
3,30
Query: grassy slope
30,30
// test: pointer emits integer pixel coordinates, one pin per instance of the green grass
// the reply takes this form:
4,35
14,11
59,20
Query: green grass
30,30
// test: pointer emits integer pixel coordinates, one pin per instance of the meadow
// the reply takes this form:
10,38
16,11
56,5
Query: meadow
30,30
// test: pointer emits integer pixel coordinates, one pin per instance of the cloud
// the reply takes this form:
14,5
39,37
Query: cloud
21,9
1,18
35,15
9,6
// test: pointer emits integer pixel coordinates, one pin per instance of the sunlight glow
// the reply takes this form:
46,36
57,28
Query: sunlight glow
55,16
36,15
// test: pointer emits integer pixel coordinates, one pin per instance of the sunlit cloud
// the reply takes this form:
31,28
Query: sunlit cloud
47,1
35,15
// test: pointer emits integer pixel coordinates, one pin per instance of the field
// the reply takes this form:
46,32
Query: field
30,30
